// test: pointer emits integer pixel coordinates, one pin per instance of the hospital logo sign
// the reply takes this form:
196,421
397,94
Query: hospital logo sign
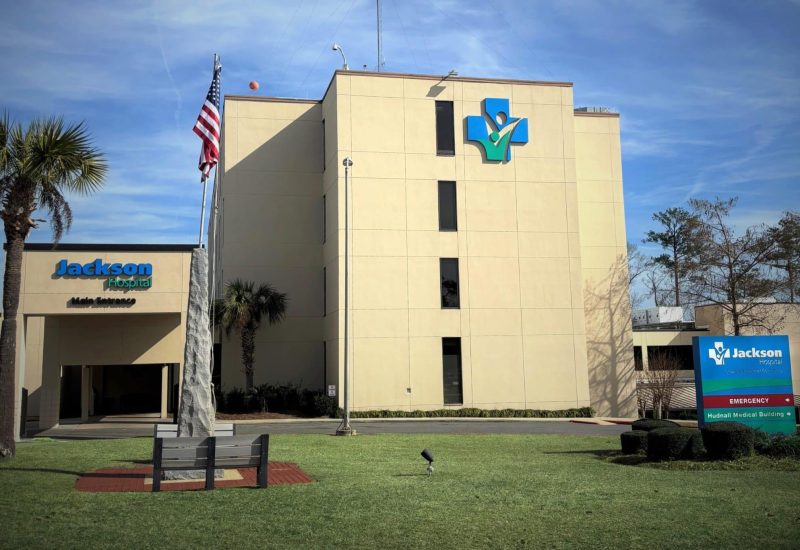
119,276
495,130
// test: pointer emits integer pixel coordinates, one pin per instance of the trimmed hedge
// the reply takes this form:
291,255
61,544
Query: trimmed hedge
583,412
647,424
782,446
634,442
674,443
728,440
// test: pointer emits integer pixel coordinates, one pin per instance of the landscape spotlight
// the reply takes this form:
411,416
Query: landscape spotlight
428,455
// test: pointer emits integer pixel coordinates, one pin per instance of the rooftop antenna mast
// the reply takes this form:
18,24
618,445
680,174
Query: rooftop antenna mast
380,37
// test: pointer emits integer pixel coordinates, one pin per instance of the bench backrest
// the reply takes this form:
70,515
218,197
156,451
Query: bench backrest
171,430
189,453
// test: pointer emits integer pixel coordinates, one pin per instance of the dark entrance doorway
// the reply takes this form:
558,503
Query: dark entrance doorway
127,389
70,392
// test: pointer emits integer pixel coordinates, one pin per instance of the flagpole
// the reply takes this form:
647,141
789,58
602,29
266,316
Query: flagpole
205,179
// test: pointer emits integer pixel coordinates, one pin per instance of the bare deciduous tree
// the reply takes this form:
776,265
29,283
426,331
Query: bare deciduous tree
659,381
731,271
785,256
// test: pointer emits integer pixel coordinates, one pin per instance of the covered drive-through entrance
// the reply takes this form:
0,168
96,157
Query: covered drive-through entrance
91,391
101,330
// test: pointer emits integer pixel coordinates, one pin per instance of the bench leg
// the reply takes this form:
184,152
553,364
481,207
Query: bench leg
263,465
157,451
210,463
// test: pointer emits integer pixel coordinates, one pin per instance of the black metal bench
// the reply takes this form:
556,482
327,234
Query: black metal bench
209,454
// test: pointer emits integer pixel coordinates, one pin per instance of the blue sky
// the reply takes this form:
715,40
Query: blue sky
709,92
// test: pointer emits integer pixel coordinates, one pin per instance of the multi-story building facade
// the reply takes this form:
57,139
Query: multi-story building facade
486,242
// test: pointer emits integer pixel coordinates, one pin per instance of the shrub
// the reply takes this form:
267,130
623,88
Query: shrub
219,399
319,404
259,397
470,412
647,424
782,446
728,440
634,442
236,401
761,441
673,443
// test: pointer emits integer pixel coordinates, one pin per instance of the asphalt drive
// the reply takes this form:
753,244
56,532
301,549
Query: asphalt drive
118,430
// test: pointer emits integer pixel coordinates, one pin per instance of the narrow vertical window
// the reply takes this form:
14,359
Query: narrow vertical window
324,219
445,129
325,366
324,291
448,271
323,144
451,371
448,218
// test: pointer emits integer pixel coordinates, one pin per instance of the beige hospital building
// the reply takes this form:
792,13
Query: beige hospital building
486,258
486,274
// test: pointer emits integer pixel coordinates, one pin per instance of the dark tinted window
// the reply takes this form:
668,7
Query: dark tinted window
324,291
448,218
448,270
678,357
323,144
451,371
445,128
637,358
324,219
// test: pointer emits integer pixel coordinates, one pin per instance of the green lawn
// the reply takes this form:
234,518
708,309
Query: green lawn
488,491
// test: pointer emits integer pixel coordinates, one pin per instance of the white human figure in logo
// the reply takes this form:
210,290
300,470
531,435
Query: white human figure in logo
718,353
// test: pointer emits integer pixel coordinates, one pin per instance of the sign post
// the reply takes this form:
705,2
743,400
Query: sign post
745,379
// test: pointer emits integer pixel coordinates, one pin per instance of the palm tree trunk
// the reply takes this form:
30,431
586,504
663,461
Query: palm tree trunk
8,340
248,355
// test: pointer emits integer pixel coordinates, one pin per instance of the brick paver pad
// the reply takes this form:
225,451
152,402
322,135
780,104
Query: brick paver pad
139,479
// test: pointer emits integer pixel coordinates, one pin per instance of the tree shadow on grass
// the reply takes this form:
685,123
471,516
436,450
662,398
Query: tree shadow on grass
606,455
116,474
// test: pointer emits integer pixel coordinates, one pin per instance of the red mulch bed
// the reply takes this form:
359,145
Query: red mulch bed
131,480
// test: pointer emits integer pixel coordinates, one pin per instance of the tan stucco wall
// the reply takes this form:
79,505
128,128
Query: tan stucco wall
519,243
604,258
647,338
56,333
272,232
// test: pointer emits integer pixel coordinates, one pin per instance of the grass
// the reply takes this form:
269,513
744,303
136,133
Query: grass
489,491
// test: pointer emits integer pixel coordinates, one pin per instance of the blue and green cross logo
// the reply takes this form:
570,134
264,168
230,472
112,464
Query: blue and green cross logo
500,132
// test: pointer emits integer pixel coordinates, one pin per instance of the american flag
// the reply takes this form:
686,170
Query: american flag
207,126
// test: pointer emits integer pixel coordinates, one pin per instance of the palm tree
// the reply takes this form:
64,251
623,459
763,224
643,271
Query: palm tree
38,166
242,309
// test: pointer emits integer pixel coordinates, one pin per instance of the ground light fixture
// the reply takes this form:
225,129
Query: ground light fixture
428,455
337,48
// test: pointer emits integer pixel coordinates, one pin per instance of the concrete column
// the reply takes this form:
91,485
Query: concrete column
50,401
19,376
165,389
86,391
